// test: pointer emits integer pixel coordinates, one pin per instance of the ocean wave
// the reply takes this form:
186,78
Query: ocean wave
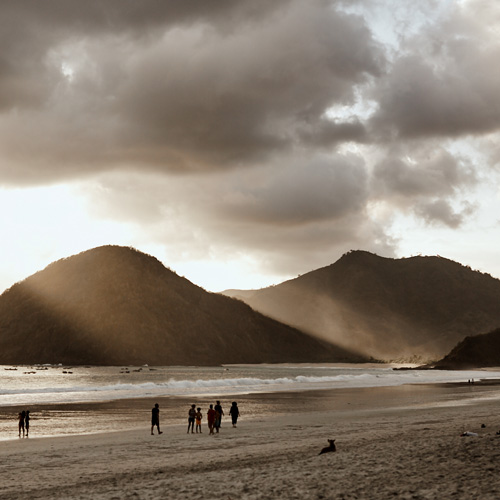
176,385
82,390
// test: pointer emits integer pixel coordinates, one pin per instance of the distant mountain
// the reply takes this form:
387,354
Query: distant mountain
413,309
114,305
473,352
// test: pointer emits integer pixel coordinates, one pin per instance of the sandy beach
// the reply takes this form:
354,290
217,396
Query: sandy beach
390,444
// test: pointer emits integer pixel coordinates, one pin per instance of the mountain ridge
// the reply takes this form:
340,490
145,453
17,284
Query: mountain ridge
115,305
478,351
412,309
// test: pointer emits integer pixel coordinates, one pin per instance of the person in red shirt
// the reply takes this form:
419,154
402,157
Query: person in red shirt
211,418
198,417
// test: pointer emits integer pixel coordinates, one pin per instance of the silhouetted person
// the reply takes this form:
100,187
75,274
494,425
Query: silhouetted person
211,418
155,419
218,415
27,422
217,421
199,417
235,413
191,418
22,416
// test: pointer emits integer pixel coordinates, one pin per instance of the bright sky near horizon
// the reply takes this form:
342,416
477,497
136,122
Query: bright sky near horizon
245,142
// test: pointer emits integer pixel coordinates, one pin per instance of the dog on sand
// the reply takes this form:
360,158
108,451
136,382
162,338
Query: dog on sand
330,448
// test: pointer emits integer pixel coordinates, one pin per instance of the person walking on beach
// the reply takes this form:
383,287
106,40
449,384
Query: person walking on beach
27,422
217,421
198,417
219,412
21,416
211,418
191,418
155,419
235,413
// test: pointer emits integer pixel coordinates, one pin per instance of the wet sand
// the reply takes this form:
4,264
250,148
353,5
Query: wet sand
85,418
400,442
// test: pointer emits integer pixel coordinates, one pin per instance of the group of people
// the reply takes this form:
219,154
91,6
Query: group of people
195,416
214,417
24,423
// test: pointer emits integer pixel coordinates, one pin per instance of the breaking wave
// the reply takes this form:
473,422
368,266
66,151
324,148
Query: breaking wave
177,386
106,384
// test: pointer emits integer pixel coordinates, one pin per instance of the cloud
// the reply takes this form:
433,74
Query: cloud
327,133
445,81
206,100
314,207
175,88
303,191
409,173
425,180
272,129
441,212
299,193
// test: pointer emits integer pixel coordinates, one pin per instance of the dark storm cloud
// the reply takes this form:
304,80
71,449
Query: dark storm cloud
174,86
51,20
57,125
31,30
209,100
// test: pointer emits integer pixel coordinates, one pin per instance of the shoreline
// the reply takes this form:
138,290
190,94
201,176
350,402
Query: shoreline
90,418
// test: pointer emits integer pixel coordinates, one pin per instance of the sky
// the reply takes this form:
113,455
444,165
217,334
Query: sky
243,143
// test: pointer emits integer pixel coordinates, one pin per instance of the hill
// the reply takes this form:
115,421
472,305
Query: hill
473,352
113,305
413,309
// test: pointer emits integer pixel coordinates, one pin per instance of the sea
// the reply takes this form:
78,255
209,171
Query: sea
89,399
